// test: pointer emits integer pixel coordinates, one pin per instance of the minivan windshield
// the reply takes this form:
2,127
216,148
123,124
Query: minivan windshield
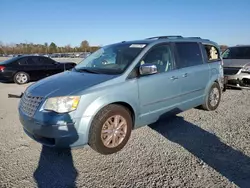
237,53
111,59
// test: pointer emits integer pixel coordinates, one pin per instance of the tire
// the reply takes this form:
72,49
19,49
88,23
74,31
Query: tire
21,78
96,139
224,87
211,105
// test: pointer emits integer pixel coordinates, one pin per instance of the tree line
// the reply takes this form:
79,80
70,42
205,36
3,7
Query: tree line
223,47
31,48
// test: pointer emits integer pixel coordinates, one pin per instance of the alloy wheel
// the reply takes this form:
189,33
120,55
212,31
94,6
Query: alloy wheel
214,97
114,131
21,78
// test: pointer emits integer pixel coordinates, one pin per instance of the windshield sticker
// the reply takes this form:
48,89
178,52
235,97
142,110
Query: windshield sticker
137,45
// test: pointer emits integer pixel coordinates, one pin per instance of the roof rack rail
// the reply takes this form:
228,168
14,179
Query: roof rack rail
166,37
193,37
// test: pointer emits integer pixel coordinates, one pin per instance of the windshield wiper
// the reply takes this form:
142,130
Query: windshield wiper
87,70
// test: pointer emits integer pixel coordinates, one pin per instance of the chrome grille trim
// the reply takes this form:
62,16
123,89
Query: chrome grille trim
29,104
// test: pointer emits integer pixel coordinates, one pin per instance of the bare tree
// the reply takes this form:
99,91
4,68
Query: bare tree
85,45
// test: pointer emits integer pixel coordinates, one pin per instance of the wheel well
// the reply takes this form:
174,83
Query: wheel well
217,81
14,74
129,108
20,71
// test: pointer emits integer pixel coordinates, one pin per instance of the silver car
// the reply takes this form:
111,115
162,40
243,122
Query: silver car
236,66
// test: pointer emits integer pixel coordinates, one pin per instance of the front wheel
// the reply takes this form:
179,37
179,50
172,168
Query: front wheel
213,98
110,129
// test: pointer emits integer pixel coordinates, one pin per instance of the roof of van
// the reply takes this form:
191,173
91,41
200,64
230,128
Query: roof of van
171,39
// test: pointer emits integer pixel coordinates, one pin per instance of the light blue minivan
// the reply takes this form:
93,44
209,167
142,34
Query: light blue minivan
121,87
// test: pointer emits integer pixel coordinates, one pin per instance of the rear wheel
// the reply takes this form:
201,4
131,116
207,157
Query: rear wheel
213,98
21,78
110,129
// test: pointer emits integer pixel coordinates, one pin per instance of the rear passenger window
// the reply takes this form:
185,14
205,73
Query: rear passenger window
189,54
36,61
31,61
22,61
212,53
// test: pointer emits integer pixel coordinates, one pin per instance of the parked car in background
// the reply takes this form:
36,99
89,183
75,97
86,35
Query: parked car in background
121,87
22,69
236,61
84,55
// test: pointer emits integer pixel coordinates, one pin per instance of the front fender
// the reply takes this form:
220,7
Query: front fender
94,107
105,100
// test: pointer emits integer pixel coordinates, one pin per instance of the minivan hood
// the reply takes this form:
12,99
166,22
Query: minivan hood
235,62
66,83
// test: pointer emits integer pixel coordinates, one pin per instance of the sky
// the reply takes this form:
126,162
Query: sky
103,22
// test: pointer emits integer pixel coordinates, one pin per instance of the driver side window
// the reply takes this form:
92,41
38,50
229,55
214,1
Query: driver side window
161,57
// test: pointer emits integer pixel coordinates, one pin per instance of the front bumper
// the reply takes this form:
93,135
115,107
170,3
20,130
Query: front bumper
240,80
57,132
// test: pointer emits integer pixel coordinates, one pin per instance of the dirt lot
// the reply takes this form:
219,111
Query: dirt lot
193,149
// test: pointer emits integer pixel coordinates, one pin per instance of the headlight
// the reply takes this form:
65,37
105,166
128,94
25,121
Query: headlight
62,104
246,69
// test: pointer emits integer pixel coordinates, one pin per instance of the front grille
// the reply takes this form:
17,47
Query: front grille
246,82
231,71
29,104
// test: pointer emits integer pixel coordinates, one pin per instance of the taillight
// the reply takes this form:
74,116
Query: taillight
2,68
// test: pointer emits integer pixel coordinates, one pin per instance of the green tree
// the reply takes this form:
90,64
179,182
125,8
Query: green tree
1,48
94,48
52,47
46,47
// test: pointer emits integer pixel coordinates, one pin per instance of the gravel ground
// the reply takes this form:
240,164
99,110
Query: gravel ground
194,149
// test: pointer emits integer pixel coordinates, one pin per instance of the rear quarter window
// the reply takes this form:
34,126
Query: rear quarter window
46,61
212,53
9,61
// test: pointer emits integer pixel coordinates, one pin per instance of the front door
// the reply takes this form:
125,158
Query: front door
158,93
51,66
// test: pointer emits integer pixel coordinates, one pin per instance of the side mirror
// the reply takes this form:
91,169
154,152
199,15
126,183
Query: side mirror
147,69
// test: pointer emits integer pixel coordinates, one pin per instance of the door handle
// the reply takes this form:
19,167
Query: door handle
174,78
185,75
